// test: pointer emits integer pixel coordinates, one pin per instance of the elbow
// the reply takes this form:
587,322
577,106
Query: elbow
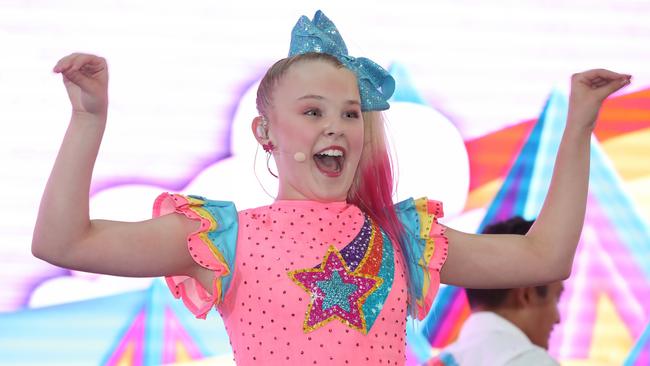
40,249
36,251
560,272
565,266
47,249
560,275
555,270
56,246
564,274
553,274
556,258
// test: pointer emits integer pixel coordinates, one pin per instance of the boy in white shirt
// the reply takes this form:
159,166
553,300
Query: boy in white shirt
507,326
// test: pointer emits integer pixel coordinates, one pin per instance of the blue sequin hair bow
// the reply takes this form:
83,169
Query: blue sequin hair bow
320,35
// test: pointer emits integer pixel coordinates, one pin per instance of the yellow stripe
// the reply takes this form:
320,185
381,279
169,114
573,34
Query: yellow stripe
426,221
196,206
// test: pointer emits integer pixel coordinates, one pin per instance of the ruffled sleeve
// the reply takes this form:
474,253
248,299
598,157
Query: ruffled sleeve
211,246
427,248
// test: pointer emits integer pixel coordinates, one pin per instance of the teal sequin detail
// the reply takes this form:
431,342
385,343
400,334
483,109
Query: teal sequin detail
320,35
375,302
352,284
336,292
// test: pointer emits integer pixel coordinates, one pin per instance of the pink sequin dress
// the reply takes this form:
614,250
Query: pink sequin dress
309,283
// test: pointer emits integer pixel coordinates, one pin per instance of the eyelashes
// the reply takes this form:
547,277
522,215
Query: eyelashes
315,112
353,114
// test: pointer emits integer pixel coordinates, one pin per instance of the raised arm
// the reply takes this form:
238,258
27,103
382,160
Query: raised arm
546,253
64,235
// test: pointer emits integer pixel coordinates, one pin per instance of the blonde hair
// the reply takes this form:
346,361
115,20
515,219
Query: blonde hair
274,74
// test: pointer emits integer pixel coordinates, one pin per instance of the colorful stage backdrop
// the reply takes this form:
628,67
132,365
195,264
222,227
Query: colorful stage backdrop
475,122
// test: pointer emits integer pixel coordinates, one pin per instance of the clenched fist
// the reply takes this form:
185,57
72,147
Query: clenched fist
86,81
588,91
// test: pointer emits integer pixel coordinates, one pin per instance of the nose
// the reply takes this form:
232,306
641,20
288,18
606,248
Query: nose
334,127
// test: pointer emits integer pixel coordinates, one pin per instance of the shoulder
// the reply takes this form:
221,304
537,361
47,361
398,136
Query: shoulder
425,248
212,246
167,203
422,205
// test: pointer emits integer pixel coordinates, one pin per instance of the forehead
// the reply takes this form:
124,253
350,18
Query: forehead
318,77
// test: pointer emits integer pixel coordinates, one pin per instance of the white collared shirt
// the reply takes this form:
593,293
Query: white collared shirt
489,339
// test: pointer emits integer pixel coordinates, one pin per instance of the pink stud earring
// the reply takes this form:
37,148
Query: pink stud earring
268,147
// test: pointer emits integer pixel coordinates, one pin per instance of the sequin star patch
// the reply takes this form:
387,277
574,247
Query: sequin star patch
336,292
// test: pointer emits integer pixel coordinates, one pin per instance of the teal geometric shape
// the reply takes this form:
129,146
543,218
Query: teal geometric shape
611,214
336,292
405,91
87,332
207,335
525,188
526,184
640,354
77,333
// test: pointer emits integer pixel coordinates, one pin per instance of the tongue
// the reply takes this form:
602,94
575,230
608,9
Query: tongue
328,164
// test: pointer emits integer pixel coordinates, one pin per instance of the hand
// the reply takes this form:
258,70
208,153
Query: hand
588,91
86,80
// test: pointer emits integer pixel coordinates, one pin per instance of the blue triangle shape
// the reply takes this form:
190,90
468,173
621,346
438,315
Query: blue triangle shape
527,183
618,207
528,180
405,91
93,326
208,335
525,186
640,354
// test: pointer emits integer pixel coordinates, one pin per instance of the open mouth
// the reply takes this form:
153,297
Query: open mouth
330,161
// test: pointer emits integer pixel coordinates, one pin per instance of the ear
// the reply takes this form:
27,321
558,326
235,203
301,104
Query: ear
523,296
261,135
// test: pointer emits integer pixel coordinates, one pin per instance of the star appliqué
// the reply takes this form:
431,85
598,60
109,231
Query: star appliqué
335,292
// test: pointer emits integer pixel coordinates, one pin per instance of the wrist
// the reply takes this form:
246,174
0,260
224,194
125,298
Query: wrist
582,120
577,133
87,117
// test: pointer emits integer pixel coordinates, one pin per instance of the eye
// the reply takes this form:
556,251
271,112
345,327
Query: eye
314,112
351,114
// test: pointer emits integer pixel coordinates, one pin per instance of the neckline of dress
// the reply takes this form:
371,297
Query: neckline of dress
310,203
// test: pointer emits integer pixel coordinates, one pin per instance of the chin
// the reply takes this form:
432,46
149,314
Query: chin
332,190
542,344
330,197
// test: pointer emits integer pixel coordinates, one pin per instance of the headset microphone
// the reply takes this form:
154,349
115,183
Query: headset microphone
299,157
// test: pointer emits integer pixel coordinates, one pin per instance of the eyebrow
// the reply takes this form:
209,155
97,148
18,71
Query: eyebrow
320,97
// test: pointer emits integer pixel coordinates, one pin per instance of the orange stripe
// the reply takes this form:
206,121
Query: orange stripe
372,260
491,155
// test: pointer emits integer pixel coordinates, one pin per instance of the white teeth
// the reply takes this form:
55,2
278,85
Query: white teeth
331,152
